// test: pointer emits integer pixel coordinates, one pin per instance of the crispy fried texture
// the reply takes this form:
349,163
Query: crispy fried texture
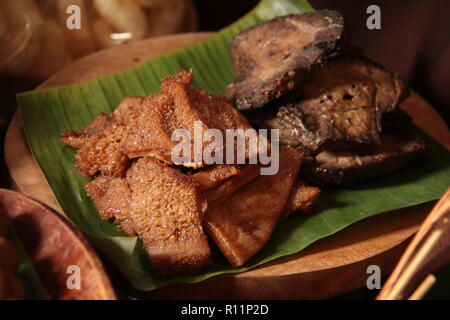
111,197
213,176
151,133
178,106
103,153
243,223
302,198
126,109
167,210
271,58
77,138
217,195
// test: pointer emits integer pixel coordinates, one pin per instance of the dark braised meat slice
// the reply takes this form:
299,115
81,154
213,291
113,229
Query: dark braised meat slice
100,144
241,225
77,138
339,105
332,168
270,58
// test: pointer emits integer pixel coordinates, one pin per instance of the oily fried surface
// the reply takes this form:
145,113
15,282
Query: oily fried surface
302,198
178,106
101,143
151,133
340,105
211,177
217,195
103,153
126,109
136,184
76,138
218,114
167,209
111,197
241,225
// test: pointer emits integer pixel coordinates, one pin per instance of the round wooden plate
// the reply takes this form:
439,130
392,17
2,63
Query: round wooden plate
329,267
54,246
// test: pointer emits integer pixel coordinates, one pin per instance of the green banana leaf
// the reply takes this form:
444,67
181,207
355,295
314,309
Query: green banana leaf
47,113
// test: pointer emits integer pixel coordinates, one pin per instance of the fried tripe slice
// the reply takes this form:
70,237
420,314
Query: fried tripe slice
76,138
167,210
302,198
127,108
217,195
103,153
242,224
211,177
100,144
178,106
150,134
111,197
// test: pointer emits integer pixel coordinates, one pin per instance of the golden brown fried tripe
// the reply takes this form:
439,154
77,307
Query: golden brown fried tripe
211,177
100,144
111,197
178,106
183,77
302,198
77,138
243,223
103,153
167,210
126,108
217,195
